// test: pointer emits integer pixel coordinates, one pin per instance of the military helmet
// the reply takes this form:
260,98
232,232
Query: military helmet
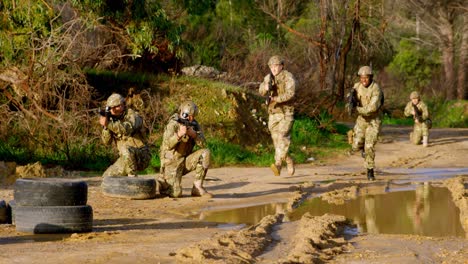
188,108
365,70
275,60
414,95
115,100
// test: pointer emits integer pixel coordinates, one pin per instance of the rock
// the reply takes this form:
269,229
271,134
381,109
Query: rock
202,71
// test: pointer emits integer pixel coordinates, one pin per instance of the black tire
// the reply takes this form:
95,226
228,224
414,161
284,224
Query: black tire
11,211
129,187
4,219
53,219
50,192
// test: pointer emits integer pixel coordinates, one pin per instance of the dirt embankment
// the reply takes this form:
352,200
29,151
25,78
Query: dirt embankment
165,230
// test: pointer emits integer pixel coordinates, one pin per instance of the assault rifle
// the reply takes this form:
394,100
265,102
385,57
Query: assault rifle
184,121
187,122
271,89
352,101
417,114
105,112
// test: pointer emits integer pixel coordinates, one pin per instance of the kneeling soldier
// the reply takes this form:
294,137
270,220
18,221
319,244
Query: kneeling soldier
181,135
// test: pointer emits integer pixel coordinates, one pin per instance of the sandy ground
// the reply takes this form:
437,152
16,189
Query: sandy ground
166,230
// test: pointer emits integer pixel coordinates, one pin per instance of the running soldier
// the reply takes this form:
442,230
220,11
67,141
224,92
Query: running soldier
368,104
418,109
124,127
181,135
280,86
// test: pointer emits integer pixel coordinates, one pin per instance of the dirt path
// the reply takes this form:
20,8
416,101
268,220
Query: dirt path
167,230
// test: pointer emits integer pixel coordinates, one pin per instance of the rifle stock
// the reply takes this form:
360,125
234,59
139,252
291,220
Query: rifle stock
417,114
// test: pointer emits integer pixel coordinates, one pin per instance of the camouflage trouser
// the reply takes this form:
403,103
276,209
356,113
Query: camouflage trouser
130,161
366,133
171,182
280,126
419,130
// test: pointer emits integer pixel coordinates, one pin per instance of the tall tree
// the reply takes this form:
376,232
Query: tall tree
463,66
439,21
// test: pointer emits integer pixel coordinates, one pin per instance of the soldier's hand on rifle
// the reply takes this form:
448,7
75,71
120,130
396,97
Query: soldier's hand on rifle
103,121
182,131
191,132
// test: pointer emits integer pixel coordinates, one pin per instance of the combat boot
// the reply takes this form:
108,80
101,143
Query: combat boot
198,190
370,175
162,187
425,141
276,169
175,188
290,166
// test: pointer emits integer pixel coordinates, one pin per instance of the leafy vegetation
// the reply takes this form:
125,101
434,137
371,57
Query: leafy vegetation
60,59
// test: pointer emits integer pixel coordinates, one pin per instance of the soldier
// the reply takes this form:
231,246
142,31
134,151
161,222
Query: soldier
280,86
125,127
181,134
418,109
367,128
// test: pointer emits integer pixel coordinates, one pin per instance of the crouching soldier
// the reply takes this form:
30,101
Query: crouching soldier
124,127
181,135
422,122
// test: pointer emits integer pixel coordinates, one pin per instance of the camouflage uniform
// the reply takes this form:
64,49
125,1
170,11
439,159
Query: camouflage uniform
420,130
129,134
368,122
281,114
178,159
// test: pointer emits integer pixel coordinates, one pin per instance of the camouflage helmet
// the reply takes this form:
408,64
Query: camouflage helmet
115,100
414,95
188,108
365,70
275,60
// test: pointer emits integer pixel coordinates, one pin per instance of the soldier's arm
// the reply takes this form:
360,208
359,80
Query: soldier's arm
125,127
200,140
373,106
170,134
290,90
264,86
424,110
409,109
106,136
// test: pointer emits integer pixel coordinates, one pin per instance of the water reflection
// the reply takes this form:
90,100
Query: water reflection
247,215
426,211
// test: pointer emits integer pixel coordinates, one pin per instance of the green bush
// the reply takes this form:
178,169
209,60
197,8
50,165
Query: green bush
449,113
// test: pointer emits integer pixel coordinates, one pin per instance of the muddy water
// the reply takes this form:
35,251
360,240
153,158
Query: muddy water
427,211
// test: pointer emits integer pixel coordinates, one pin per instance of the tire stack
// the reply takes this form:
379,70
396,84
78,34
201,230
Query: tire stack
4,213
51,205
134,188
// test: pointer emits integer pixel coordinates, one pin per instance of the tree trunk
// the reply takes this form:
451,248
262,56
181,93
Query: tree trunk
461,86
447,46
323,56
340,74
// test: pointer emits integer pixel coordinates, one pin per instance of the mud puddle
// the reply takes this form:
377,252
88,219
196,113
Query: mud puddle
427,174
419,209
